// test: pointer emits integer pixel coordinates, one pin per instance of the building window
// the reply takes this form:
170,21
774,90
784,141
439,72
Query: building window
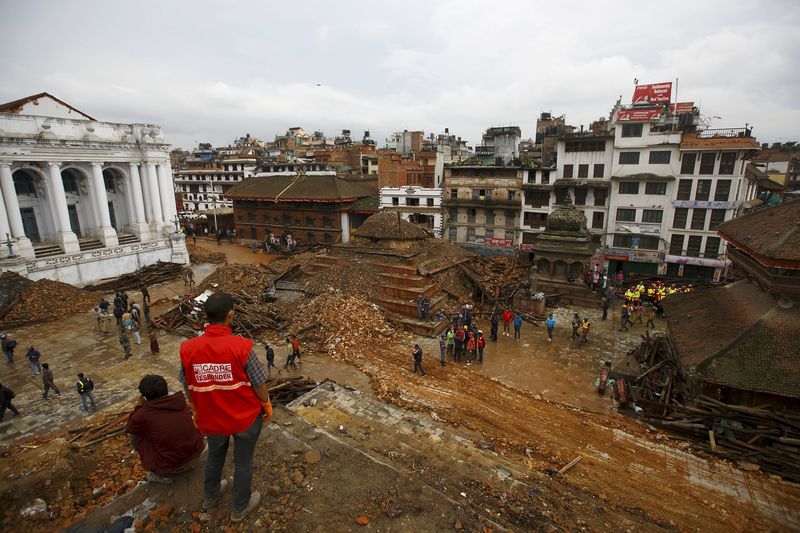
413,202
537,198
652,216
648,242
567,171
707,160
489,233
660,157
703,190
681,216
311,236
676,244
699,218
599,169
453,214
655,187
632,130
583,171
717,218
727,162
251,217
327,222
310,222
395,200
545,177
693,248
626,215
471,215
490,217
452,233
512,195
629,158
622,241
712,248
510,214
253,233
266,218
684,189
723,190
580,195
429,202
585,146
536,220
600,197
597,220
453,193
328,237
629,187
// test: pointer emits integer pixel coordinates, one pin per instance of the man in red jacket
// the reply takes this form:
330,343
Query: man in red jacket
227,387
162,431
507,318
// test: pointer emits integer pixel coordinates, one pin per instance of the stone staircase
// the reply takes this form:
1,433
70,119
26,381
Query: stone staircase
397,294
46,250
90,244
571,293
127,238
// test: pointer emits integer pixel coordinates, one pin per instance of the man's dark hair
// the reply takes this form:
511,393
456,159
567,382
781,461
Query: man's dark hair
80,375
153,386
45,365
217,307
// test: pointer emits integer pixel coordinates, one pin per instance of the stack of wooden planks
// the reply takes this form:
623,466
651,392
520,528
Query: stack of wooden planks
147,276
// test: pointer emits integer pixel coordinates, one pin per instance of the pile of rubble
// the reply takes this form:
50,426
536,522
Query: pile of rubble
198,254
231,278
11,284
341,325
497,278
47,300
355,279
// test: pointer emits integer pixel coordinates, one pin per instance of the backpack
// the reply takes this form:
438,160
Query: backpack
88,384
10,345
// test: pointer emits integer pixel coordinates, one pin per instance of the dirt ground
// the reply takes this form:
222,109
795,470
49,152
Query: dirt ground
502,430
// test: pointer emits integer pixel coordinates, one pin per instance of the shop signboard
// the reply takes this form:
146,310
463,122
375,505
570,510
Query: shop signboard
697,261
689,204
654,93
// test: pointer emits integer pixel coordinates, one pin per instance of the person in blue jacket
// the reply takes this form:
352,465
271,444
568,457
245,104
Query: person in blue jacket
551,324
517,326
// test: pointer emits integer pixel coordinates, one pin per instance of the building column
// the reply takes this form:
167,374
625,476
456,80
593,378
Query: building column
106,232
152,185
147,200
11,219
345,227
167,193
67,238
138,217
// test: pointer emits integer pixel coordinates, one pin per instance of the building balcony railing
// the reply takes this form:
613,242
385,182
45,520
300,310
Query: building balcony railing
723,132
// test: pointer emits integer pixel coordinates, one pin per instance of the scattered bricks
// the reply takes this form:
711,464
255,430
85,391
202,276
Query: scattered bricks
362,520
313,457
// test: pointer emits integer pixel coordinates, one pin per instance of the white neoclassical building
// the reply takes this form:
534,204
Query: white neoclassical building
82,200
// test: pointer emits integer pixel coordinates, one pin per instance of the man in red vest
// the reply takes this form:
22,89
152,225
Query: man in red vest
227,387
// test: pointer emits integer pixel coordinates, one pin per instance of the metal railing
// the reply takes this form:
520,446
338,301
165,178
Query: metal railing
723,132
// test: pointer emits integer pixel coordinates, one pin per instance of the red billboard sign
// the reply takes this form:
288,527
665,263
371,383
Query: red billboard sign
639,115
681,107
500,243
656,93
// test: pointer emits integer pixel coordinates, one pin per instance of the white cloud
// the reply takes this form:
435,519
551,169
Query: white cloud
206,73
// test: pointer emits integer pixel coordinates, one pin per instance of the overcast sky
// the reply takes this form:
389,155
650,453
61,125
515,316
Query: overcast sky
211,71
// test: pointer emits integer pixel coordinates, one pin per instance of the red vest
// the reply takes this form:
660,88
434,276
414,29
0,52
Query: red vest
214,366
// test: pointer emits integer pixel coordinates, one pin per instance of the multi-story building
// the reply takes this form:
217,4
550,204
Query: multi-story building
482,204
711,187
418,205
500,145
82,199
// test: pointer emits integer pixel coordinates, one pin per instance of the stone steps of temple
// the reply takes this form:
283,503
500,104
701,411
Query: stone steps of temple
127,238
46,250
90,244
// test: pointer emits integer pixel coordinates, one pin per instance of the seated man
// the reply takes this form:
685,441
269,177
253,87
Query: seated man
162,431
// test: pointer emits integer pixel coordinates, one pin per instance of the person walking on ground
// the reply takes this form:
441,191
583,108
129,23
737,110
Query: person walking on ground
517,326
103,305
296,349
118,315
145,293
125,306
604,303
595,281
551,324
624,318
231,235
289,354
153,337
6,395
493,322
618,279
270,357
146,310
219,237
85,386
639,314
190,277
585,327
443,348
471,346
125,342
481,346
451,340
33,356
651,316
576,325
8,348
508,317
417,354
227,387
420,303
162,431
49,383
136,313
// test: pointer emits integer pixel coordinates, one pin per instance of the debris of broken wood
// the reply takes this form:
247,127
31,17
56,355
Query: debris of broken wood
154,274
